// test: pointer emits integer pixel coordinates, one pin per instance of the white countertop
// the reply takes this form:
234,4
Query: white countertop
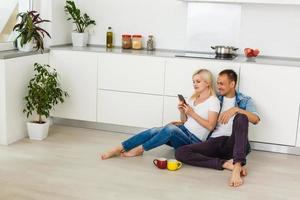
265,60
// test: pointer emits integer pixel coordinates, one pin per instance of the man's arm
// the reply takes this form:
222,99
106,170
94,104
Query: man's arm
253,118
250,112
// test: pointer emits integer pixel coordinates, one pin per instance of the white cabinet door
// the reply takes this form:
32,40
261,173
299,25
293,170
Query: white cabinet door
171,112
130,109
298,132
144,74
275,91
18,72
78,75
179,73
283,2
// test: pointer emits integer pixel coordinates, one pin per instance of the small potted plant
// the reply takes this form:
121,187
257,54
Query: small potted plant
30,35
44,92
79,35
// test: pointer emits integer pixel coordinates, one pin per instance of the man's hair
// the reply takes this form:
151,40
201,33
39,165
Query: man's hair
230,74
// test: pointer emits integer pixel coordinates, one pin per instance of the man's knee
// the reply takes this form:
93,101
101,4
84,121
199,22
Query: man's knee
241,118
182,153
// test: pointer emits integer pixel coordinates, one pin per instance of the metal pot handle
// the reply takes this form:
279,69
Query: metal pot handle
213,47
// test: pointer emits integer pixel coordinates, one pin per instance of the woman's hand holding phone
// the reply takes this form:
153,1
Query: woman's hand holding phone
188,110
180,107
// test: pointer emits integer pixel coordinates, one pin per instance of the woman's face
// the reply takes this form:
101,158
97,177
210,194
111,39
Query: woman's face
199,84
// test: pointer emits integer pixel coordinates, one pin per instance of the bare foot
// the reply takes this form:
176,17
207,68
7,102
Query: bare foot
236,179
133,152
112,153
229,166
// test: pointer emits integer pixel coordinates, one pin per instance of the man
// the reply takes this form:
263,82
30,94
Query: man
230,138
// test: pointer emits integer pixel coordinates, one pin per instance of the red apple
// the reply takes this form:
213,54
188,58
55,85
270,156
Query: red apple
255,52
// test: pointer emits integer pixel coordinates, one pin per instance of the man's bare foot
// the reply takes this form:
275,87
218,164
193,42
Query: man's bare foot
112,153
236,180
229,166
133,152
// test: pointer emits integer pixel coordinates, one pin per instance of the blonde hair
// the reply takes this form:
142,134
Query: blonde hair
207,76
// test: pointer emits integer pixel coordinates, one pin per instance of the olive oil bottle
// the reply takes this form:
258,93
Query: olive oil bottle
109,38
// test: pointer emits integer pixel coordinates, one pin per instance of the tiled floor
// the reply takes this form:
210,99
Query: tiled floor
66,166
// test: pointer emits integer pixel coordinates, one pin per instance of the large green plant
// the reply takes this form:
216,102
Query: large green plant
44,92
81,21
29,29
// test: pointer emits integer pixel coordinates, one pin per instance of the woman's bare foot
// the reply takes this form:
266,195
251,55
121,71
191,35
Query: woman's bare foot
112,153
229,166
236,180
134,152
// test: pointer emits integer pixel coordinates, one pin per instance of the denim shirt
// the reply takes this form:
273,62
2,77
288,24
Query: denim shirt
243,102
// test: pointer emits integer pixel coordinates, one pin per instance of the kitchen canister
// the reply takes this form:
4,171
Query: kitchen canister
137,42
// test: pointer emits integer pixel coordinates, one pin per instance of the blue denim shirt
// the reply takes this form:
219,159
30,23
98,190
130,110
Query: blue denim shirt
242,101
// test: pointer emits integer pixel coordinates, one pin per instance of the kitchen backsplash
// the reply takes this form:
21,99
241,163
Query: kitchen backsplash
274,29
211,24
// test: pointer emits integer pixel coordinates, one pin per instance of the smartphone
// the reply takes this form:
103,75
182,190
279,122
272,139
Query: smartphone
181,98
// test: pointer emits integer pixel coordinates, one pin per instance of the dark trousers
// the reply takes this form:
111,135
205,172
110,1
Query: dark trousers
215,151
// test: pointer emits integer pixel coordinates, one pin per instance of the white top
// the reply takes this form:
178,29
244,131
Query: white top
211,104
225,129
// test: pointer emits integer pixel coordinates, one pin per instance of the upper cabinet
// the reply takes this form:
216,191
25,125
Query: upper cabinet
282,2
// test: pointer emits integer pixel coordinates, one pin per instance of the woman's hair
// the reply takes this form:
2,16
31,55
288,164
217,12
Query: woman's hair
207,76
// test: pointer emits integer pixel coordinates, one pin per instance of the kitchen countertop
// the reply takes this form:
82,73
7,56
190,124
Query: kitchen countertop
265,60
15,53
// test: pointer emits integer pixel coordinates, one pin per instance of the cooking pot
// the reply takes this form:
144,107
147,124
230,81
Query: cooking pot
225,50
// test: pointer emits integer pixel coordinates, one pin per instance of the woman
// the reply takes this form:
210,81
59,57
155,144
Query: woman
198,118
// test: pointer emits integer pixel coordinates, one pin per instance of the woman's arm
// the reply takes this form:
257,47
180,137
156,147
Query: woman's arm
183,116
210,123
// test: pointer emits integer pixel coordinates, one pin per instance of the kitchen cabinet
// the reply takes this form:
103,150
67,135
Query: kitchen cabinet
78,76
130,109
275,91
142,74
178,80
280,2
171,113
179,73
298,132
15,74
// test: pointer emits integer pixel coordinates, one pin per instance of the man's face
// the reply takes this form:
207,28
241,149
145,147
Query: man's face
224,85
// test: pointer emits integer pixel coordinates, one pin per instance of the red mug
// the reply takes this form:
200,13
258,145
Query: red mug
160,163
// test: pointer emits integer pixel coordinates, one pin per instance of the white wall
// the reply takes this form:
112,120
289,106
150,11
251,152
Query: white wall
272,28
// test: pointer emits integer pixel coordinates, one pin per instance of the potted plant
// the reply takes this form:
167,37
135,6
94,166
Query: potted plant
79,37
30,35
44,92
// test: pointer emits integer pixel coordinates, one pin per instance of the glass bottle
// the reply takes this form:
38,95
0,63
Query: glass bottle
150,43
109,38
126,42
137,42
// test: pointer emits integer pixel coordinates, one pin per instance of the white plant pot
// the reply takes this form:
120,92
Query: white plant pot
37,131
26,47
80,39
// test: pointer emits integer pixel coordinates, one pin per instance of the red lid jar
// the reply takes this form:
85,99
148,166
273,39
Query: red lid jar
126,41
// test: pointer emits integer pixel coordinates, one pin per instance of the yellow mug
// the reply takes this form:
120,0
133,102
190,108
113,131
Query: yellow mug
173,164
